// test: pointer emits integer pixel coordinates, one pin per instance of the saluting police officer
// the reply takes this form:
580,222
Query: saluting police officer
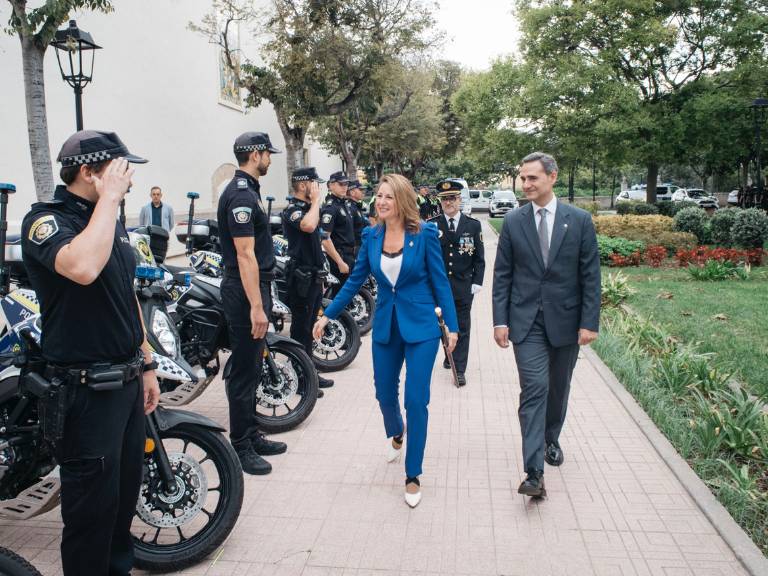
336,223
248,258
81,266
306,267
359,221
461,239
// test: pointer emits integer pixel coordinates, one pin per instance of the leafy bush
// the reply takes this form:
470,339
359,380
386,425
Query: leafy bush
615,289
743,424
620,261
632,227
655,255
591,207
721,225
702,254
672,241
624,208
695,221
644,209
621,246
715,270
677,206
666,208
750,228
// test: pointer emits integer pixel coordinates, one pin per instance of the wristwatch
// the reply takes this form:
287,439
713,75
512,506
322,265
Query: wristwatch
151,366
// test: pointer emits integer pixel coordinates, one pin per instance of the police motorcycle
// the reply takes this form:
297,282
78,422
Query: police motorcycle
288,389
192,489
12,564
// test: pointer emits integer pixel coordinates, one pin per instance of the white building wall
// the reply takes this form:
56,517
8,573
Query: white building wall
156,84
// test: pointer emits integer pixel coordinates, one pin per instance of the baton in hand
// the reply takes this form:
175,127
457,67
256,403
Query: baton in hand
444,338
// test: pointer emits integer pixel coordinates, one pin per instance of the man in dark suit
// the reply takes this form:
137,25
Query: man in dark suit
461,240
546,300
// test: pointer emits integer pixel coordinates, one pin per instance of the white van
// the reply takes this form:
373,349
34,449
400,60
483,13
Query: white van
480,199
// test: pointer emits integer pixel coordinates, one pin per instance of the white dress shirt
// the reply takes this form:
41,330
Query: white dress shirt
551,208
455,220
390,267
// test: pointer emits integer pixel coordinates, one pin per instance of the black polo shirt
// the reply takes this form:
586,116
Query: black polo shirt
81,324
336,221
240,215
304,248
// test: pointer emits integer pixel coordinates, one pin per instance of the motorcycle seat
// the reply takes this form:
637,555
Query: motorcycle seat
177,269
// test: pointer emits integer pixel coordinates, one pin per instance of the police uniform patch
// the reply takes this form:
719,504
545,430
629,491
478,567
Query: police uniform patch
242,215
242,183
43,228
295,215
327,218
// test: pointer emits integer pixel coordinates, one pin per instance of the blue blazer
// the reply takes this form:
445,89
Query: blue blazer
420,287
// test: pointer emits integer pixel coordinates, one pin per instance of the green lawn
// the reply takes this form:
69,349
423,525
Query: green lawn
740,340
496,223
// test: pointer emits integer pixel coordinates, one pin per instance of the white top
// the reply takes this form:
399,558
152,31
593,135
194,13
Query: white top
551,208
391,267
455,220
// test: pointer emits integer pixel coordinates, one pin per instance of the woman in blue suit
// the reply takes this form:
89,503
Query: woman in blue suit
404,255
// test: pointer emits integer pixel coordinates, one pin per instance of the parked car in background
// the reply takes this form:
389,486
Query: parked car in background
502,202
733,197
480,199
637,193
701,197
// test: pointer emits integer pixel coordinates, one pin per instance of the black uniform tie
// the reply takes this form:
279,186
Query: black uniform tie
451,225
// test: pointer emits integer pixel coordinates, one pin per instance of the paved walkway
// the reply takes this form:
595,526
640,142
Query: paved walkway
333,506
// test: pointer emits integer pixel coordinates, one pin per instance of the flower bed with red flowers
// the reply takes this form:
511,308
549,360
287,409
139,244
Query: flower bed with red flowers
701,255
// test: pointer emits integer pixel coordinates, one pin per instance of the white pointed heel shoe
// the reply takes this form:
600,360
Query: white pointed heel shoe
395,448
412,498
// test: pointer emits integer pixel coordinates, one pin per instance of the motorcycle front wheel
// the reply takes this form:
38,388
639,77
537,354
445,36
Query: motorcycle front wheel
362,308
12,564
176,530
287,393
339,345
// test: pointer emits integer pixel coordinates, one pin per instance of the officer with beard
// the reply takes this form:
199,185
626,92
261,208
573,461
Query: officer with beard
248,258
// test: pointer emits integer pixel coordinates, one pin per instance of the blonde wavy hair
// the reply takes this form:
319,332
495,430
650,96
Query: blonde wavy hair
405,200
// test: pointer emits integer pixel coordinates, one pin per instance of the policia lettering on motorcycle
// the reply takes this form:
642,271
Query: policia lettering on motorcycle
336,222
306,273
81,266
248,258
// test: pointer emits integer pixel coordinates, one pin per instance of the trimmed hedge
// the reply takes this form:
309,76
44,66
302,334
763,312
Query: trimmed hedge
721,224
695,221
631,226
750,228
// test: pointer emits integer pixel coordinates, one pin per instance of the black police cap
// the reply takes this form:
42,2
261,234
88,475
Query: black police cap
305,175
94,146
339,177
448,188
254,141
355,184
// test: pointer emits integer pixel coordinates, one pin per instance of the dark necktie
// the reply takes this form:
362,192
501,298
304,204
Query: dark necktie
543,235
451,225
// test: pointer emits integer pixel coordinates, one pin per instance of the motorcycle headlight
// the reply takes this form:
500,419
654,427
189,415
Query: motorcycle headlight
161,328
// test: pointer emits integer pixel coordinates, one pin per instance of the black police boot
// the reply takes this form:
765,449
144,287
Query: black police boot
324,382
461,379
446,364
252,463
533,485
553,455
264,447
320,393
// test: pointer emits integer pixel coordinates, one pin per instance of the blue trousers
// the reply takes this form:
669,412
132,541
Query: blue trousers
419,359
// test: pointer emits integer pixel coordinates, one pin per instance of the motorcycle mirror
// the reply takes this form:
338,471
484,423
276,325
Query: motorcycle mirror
270,198
193,195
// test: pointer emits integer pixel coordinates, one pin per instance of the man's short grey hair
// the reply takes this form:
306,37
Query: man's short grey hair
547,161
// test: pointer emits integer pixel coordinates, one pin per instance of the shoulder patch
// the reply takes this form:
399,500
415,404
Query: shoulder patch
242,215
242,183
43,228
295,215
327,218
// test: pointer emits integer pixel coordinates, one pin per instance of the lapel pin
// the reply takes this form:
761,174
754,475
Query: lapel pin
410,243
565,225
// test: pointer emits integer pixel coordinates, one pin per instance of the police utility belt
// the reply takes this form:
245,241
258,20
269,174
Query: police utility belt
55,387
303,277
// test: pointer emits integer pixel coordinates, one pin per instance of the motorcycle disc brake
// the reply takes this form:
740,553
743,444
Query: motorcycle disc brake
271,393
334,337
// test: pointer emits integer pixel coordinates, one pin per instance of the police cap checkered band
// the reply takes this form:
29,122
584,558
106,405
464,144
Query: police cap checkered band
306,174
254,141
93,147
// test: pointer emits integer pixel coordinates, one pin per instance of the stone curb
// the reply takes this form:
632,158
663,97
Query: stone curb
743,548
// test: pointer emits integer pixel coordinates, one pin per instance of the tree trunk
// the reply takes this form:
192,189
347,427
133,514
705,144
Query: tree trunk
650,186
37,123
613,188
294,144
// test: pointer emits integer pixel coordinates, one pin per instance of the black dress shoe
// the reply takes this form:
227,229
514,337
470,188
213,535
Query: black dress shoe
533,485
320,393
446,364
252,463
324,382
264,447
553,455
461,379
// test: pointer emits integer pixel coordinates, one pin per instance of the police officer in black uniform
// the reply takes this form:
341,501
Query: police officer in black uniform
426,208
338,228
355,192
249,260
461,239
305,274
81,266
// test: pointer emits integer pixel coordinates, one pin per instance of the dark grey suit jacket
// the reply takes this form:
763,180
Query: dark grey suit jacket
568,290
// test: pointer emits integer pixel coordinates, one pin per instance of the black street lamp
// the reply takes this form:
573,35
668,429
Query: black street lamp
74,44
759,116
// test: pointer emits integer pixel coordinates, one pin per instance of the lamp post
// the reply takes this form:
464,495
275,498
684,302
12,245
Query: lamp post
78,49
759,106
